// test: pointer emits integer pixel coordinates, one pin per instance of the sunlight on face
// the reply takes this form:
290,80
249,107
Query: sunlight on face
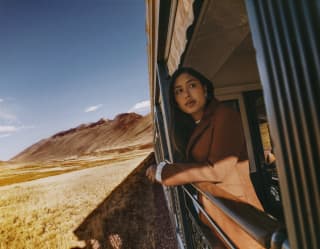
190,95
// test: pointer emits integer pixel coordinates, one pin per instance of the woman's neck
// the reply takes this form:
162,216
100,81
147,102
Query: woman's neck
200,114
197,116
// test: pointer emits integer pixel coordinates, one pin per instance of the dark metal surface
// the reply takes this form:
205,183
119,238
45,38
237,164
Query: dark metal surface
286,36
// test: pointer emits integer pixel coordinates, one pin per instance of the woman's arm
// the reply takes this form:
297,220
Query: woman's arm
183,173
227,144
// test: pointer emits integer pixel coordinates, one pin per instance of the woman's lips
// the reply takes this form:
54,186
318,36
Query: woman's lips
190,103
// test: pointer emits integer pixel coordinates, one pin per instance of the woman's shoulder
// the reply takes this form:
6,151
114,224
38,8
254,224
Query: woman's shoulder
225,112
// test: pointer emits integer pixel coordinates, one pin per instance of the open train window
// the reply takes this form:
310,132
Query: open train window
266,177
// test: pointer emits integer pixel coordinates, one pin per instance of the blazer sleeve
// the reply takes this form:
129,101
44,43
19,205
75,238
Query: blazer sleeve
227,136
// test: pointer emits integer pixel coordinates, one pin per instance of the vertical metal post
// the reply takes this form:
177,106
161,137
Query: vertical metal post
286,36
163,87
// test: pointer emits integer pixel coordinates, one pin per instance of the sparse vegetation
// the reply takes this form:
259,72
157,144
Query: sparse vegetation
43,213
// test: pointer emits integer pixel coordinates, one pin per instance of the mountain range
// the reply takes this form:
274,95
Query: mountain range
124,131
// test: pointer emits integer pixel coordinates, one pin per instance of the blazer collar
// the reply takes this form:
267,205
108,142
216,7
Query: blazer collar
202,126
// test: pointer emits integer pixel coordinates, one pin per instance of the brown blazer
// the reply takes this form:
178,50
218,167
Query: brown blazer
219,137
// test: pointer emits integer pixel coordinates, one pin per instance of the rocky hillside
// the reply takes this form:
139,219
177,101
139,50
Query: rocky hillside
126,130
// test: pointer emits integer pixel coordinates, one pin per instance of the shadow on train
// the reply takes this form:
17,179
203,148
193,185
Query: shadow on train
128,217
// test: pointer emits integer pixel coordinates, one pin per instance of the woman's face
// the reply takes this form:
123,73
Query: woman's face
190,95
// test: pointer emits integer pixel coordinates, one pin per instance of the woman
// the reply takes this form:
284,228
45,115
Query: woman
210,138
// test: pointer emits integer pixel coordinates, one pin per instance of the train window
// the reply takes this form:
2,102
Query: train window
266,177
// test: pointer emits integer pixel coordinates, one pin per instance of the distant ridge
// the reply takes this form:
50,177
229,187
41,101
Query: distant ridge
80,127
125,130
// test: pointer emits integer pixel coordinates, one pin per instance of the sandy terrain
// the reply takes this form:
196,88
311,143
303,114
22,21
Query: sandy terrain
43,213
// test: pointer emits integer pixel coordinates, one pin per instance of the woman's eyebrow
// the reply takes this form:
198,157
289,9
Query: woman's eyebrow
191,80
186,82
178,86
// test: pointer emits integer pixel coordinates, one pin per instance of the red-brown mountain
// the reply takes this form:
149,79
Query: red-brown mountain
125,130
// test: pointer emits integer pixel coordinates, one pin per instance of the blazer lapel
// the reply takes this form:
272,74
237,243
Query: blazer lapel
202,126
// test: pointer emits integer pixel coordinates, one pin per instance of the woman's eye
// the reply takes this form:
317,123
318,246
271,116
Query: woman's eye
177,91
192,85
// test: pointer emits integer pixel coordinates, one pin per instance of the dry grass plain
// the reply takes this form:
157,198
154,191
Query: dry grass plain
42,204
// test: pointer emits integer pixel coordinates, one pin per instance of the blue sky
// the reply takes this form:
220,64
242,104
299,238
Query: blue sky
67,62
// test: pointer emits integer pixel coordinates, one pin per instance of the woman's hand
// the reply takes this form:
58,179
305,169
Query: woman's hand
151,172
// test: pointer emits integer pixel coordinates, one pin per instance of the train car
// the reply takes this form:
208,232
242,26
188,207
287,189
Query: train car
263,59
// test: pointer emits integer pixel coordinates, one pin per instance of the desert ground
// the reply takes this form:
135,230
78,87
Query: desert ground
72,204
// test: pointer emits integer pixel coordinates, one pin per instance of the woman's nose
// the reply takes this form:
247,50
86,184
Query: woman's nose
187,93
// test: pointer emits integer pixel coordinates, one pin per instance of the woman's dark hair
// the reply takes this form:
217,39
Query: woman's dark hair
182,124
